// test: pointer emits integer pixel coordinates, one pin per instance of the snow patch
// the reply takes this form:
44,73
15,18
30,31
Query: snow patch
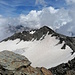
32,32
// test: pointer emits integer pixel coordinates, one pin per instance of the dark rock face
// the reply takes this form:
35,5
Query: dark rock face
15,64
71,72
26,36
65,68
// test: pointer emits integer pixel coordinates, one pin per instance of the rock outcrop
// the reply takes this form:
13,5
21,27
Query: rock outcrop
45,71
15,64
12,61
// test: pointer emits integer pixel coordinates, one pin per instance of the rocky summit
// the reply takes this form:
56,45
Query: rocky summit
27,36
15,64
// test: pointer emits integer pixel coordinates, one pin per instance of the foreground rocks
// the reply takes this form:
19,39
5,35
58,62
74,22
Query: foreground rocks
45,71
12,61
15,64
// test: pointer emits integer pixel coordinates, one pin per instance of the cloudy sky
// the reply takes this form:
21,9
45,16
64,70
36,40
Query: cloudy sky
16,7
57,14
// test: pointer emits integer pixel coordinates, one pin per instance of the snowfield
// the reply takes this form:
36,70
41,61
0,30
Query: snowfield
44,52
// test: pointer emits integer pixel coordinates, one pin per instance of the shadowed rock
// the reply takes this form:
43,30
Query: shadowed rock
45,71
65,68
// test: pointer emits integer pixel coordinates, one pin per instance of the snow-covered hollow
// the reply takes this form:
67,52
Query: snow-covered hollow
41,53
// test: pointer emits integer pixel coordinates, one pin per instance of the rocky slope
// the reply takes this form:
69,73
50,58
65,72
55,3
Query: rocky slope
15,64
65,68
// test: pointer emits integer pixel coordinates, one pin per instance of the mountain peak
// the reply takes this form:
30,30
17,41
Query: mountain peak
26,35
47,29
40,34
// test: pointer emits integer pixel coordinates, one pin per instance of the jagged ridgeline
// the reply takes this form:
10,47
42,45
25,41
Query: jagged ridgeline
39,34
32,34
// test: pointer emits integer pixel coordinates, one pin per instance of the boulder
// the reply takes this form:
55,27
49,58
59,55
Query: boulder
45,71
11,61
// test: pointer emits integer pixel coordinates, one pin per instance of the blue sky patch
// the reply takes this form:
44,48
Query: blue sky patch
16,7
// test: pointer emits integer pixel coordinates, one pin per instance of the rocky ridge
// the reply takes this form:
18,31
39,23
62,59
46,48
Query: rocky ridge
39,34
26,36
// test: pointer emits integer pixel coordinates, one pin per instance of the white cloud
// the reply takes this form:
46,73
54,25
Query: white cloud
70,1
3,21
40,2
55,18
49,16
70,26
52,10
